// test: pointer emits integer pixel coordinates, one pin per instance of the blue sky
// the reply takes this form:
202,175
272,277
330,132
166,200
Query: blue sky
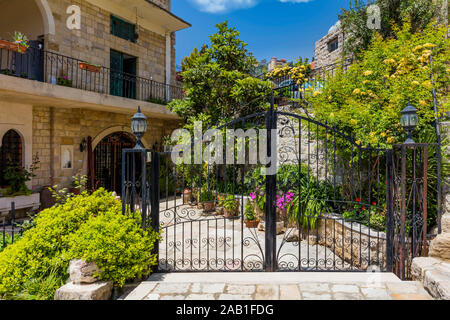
272,28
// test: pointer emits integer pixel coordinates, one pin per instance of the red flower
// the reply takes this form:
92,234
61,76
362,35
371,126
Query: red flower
358,200
374,203
364,209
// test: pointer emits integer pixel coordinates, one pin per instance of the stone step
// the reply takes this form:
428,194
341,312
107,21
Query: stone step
434,274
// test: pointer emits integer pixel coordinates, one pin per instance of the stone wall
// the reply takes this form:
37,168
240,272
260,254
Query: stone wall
323,56
53,127
93,42
356,244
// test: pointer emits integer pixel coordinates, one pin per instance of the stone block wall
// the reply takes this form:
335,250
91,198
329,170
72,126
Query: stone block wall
93,42
323,57
53,127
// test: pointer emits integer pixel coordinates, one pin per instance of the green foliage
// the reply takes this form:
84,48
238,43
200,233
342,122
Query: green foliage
393,12
117,244
17,176
8,240
311,202
249,212
62,233
217,81
365,102
206,195
230,203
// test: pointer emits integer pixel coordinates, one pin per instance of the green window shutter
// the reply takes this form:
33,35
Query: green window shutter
122,29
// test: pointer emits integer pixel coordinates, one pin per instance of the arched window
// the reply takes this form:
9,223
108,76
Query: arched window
11,152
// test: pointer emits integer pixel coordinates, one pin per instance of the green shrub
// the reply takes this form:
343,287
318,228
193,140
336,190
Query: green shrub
63,232
117,244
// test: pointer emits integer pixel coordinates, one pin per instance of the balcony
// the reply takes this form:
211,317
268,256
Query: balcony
57,69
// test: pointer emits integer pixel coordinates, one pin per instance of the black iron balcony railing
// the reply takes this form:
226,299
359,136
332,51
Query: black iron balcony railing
40,65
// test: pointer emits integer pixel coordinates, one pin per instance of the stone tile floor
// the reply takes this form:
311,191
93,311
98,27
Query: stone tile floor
235,287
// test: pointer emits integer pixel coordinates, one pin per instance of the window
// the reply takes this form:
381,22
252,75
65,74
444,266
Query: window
123,29
10,152
333,45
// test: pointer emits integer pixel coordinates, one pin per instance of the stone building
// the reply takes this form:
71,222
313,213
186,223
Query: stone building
70,97
329,49
275,63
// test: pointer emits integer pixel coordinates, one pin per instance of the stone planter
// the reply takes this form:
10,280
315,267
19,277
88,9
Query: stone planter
31,202
259,213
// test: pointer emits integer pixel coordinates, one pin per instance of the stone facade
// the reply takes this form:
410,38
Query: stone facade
53,127
324,53
94,41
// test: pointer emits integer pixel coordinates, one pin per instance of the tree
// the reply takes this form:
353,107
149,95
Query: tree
393,13
217,82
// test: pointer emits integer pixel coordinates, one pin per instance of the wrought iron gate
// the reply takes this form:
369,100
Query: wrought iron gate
324,209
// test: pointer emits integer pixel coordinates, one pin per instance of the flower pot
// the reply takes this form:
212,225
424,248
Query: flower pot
209,206
12,46
251,223
187,196
89,67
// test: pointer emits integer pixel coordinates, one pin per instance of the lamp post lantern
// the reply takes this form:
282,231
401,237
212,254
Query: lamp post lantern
409,121
139,127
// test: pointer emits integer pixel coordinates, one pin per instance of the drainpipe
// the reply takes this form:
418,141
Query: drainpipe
168,63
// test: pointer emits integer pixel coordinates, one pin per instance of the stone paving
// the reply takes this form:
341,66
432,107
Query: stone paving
244,286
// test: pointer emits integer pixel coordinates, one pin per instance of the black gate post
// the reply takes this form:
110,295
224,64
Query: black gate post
389,212
154,197
271,185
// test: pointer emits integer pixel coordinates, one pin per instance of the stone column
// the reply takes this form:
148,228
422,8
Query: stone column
168,63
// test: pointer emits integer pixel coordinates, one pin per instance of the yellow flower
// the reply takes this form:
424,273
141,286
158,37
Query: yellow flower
427,84
383,134
363,93
390,140
354,122
356,91
316,93
422,102
415,83
366,81
358,142
417,48
332,115
368,72
372,134
429,45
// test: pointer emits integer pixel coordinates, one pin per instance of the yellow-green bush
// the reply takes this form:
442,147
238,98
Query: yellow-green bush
366,100
65,232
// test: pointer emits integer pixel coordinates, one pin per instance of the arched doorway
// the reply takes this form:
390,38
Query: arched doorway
108,160
11,152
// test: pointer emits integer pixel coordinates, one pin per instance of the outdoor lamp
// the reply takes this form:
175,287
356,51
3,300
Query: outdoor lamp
139,127
409,121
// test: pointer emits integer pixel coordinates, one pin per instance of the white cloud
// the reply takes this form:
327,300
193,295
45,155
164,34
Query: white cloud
220,6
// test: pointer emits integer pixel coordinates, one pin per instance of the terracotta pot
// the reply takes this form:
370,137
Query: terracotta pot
89,67
209,206
251,223
12,46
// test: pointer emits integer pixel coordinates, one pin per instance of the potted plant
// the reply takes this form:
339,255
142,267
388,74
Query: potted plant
231,206
207,199
89,67
16,190
19,44
250,218
64,81
259,203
